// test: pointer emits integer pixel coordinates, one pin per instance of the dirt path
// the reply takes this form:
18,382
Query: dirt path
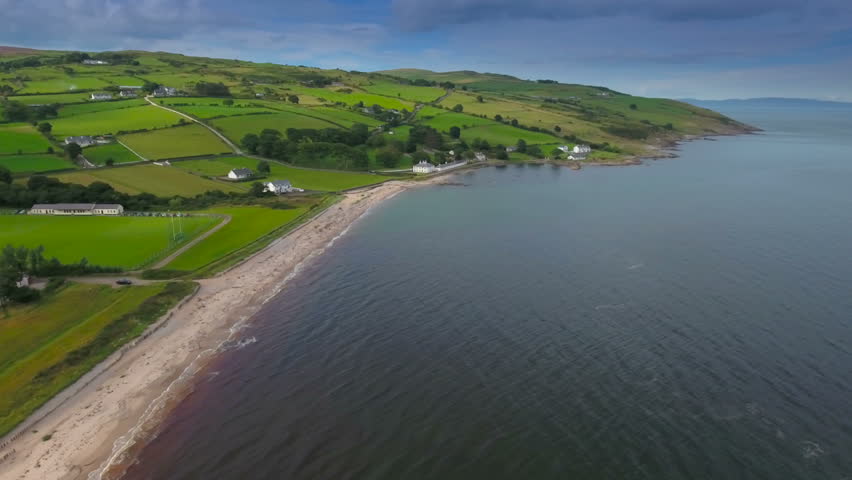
162,263
230,144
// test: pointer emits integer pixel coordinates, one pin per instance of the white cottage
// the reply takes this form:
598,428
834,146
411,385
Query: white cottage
101,96
76,209
579,152
424,167
83,140
279,186
240,174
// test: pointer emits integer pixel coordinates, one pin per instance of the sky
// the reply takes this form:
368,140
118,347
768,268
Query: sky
708,49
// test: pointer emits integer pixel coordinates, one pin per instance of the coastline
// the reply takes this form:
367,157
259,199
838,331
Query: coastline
99,423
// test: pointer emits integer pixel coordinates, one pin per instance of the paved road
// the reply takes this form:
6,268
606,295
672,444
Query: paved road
230,144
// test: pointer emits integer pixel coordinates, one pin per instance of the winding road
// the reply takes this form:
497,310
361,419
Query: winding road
229,143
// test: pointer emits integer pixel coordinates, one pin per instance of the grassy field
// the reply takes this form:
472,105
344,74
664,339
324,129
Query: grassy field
247,225
330,181
354,97
210,111
235,128
407,92
63,83
154,179
100,154
94,107
506,135
114,121
444,121
345,118
49,99
186,141
34,163
127,242
23,138
46,346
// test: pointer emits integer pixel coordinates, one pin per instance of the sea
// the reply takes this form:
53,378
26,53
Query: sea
689,318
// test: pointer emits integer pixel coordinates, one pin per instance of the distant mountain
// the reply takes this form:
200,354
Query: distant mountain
767,102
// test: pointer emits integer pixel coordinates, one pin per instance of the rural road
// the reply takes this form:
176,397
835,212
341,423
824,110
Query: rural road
229,143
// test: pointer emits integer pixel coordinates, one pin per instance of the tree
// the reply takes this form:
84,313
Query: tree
514,122
521,146
263,167
455,132
293,98
16,111
6,90
150,87
556,153
557,129
110,162
458,108
668,126
228,102
498,117
257,189
502,155
633,106
534,151
250,142
45,127
73,150
479,99
5,175
389,157
176,203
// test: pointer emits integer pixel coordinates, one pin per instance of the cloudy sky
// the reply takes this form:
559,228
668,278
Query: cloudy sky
671,48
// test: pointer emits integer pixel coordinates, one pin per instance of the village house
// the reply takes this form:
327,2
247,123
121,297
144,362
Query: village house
580,152
76,209
279,186
101,96
423,167
128,94
511,149
480,156
83,141
165,92
89,61
240,174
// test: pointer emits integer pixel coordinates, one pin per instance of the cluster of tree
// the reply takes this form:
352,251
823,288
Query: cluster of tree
6,90
424,135
25,62
326,148
211,89
547,81
18,112
315,80
420,82
18,263
42,189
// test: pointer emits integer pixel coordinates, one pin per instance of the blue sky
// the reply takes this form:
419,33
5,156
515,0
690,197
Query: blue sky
670,48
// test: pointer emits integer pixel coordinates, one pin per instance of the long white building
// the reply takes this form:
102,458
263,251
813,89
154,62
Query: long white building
77,209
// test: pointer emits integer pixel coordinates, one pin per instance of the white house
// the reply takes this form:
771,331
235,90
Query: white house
579,152
128,94
480,156
101,96
240,174
83,141
279,186
165,92
89,61
511,149
424,167
76,209
23,282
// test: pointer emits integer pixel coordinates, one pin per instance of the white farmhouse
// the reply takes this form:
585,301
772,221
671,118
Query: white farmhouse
89,61
480,156
76,209
579,152
83,141
101,96
166,92
240,174
279,186
424,167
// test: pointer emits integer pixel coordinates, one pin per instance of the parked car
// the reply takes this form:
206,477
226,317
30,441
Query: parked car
124,281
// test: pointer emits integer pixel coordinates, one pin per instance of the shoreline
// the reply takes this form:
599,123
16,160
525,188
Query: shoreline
99,423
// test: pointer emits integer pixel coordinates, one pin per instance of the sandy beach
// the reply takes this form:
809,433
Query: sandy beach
96,425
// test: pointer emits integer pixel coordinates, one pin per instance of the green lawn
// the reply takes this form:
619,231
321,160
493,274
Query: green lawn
114,121
154,179
94,107
34,163
127,242
101,153
210,111
48,345
63,84
369,99
235,128
506,135
23,138
445,120
247,225
49,99
407,92
185,141
346,118
300,178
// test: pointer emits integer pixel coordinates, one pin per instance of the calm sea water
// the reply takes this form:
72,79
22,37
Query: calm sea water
691,318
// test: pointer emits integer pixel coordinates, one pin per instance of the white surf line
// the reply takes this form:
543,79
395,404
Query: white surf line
208,127
134,152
